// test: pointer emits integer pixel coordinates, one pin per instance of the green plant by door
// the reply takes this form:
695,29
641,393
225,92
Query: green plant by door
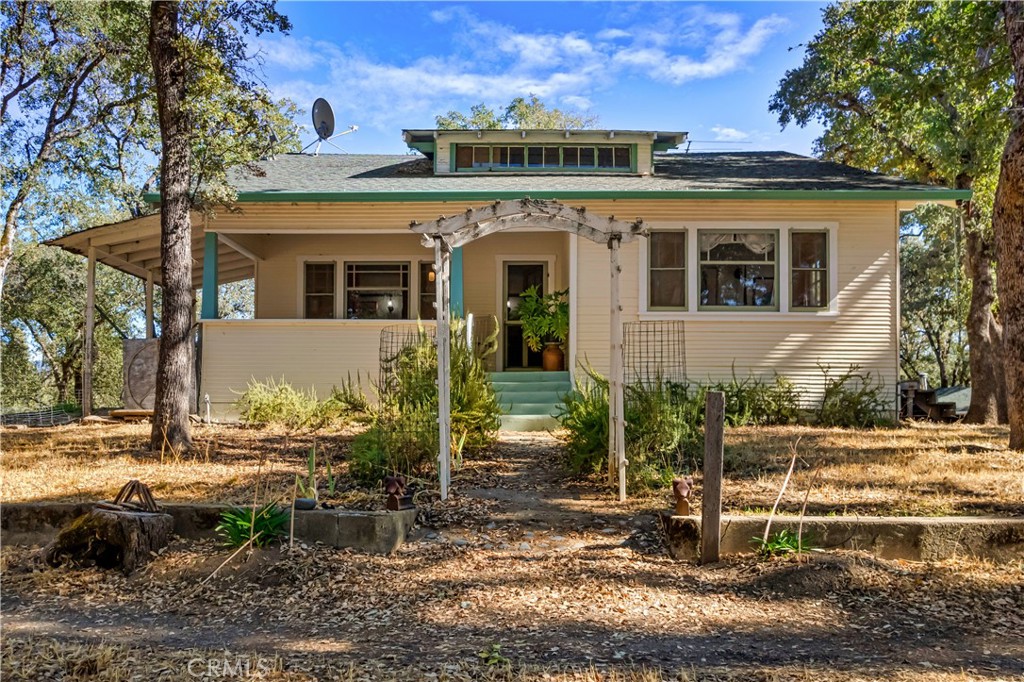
545,318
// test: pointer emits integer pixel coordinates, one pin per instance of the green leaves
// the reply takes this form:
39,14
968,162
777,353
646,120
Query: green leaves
519,114
544,317
262,525
916,89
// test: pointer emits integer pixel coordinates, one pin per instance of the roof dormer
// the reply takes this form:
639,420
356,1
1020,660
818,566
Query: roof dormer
542,151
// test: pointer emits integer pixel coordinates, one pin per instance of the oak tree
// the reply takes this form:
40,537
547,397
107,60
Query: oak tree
919,90
1008,224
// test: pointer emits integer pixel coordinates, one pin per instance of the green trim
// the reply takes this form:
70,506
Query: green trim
451,159
633,161
210,290
387,196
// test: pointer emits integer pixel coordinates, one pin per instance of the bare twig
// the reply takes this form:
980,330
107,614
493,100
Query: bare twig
782,491
803,511
246,545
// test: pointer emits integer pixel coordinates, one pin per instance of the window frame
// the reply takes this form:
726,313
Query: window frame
410,291
829,267
694,311
648,269
774,262
303,292
630,149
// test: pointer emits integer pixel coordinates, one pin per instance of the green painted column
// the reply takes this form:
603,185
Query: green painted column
210,296
457,304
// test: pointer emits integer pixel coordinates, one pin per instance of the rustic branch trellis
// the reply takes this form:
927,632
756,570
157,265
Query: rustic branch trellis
450,232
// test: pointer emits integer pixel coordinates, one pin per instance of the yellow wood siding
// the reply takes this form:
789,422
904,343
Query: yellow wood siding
863,332
318,354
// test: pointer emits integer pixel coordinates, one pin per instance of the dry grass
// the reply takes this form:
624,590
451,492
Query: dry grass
923,469
920,469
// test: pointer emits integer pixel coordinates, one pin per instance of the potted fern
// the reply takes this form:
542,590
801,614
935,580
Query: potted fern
545,320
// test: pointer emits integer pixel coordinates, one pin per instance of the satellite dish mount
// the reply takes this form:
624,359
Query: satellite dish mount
323,124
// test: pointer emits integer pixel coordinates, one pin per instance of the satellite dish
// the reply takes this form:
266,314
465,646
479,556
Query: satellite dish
323,124
323,118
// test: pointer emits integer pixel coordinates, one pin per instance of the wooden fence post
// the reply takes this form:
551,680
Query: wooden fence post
711,500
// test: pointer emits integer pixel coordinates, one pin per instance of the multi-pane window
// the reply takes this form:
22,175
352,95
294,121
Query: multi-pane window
569,157
809,261
428,291
376,291
667,265
737,269
318,290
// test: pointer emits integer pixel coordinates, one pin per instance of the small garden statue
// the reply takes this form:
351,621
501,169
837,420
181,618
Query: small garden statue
398,499
681,489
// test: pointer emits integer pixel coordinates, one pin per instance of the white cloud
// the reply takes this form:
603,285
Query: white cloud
725,134
495,62
291,53
612,34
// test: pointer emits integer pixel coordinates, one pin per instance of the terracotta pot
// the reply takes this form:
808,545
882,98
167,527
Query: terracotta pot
553,358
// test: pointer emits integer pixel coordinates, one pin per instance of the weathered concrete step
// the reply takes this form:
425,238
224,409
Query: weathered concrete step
547,387
530,377
519,422
546,409
914,538
378,532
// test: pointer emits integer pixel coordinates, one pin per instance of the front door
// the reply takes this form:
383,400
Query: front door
519,276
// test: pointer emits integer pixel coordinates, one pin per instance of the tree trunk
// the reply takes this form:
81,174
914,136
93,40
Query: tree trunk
173,399
1008,223
984,333
110,539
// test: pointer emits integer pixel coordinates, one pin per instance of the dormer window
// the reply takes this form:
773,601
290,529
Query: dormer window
599,157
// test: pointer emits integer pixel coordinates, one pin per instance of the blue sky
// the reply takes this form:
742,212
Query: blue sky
705,68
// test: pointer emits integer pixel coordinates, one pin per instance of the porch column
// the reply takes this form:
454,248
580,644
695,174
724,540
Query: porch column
90,326
210,311
458,306
150,326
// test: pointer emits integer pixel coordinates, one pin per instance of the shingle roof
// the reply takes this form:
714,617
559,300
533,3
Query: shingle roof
344,174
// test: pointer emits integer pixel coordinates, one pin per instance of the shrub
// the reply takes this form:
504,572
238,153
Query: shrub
263,525
853,399
661,435
406,443
279,403
782,543
403,435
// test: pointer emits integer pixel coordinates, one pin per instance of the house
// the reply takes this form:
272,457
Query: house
774,262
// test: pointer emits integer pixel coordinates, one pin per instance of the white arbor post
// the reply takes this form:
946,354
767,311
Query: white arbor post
616,397
442,264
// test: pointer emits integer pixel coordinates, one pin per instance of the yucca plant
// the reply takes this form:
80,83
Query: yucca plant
261,525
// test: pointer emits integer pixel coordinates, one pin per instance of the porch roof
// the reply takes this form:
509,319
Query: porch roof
734,175
133,246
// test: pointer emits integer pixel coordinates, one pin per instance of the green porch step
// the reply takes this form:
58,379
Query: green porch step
529,400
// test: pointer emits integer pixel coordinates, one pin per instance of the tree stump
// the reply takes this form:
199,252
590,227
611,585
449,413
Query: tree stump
110,539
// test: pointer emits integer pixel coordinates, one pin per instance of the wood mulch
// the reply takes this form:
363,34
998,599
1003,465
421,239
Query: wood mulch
525,566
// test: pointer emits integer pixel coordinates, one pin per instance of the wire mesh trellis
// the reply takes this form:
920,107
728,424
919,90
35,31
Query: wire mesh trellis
654,352
396,344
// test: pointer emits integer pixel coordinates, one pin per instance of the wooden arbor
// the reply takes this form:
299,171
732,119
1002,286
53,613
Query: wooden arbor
448,233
